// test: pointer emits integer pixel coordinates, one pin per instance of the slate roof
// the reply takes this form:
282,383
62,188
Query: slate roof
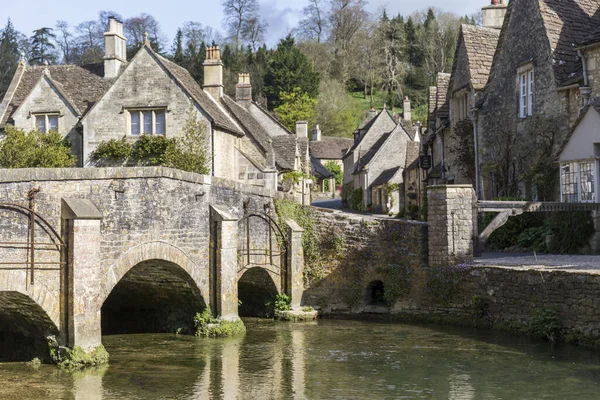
480,44
568,23
413,150
369,128
442,107
366,158
285,148
81,85
319,170
330,148
595,103
389,175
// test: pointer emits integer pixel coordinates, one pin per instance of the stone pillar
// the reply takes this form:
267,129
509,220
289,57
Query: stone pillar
295,263
452,219
225,275
82,274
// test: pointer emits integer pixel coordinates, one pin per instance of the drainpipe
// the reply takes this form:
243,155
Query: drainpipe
476,145
585,90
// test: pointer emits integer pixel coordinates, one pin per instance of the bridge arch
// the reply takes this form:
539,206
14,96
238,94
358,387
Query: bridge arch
24,326
154,287
257,289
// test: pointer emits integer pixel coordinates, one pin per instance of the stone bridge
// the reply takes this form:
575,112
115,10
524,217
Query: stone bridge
127,250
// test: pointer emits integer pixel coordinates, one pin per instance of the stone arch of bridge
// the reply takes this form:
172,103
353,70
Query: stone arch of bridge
15,281
257,289
156,250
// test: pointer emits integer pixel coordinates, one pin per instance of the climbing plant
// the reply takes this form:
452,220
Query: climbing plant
463,148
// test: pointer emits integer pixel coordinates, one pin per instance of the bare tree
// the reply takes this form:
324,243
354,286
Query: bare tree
253,32
314,25
137,27
237,12
65,41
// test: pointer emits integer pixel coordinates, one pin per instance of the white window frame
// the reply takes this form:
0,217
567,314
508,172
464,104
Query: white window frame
141,112
578,182
526,84
46,120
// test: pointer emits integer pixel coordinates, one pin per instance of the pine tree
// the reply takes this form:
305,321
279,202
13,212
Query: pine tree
177,48
42,48
9,56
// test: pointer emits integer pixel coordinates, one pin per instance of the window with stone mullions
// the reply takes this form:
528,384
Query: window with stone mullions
150,122
568,173
47,122
586,174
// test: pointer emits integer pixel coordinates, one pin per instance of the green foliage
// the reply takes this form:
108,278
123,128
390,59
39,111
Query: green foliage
20,149
336,170
209,326
288,69
35,363
480,305
303,216
464,149
9,55
283,302
353,197
545,323
187,153
295,106
337,112
397,282
77,358
293,177
42,47
443,282
572,231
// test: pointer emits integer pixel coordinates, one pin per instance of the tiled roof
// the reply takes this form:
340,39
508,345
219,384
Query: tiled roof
442,108
285,149
204,100
330,148
568,23
389,175
318,170
377,126
81,85
366,158
412,152
480,44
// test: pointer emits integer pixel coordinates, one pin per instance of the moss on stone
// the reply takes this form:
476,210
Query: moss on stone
77,357
296,315
221,328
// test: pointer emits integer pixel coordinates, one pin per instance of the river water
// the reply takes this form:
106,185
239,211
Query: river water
330,359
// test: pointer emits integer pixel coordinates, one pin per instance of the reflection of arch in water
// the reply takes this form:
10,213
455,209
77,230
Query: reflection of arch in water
153,296
256,292
24,326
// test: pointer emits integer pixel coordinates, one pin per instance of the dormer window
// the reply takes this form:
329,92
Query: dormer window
46,122
526,92
148,121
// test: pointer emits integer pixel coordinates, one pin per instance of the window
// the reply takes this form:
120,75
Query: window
526,94
46,122
568,173
586,173
150,122
578,182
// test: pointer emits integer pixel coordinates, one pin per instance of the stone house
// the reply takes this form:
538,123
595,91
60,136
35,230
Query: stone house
151,95
326,149
378,157
537,85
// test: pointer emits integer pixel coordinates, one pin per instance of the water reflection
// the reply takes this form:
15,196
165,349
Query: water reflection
328,360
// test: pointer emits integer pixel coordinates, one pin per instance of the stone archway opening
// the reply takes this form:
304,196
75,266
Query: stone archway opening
155,296
24,327
376,293
256,293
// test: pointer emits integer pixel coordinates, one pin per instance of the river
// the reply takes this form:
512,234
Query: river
331,359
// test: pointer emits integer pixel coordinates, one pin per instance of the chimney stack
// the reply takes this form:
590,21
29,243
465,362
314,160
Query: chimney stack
302,129
372,113
316,134
243,90
493,15
115,48
213,73
406,109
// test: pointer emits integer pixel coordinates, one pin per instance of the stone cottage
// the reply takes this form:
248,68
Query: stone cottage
376,161
151,95
327,149
537,85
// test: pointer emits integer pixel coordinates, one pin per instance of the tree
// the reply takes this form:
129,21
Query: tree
289,69
337,114
295,106
136,29
314,25
177,48
253,32
9,56
20,149
65,42
237,13
42,49
391,39
336,170
90,42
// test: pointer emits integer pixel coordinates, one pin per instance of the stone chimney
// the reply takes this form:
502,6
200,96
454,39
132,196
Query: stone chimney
302,129
372,113
406,109
493,15
316,134
213,73
115,48
243,89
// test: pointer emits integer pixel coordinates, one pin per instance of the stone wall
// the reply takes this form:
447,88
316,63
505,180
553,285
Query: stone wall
355,251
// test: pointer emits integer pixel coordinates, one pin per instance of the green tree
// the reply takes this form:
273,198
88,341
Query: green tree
336,170
177,49
9,56
42,48
337,114
296,106
191,152
20,149
289,69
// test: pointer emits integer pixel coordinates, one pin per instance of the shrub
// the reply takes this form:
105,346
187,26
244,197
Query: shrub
20,149
114,150
282,302
336,170
545,323
209,326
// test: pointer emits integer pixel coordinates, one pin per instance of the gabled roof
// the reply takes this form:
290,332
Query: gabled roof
595,104
442,107
318,170
382,123
82,86
330,148
285,148
393,175
413,150
480,45
366,158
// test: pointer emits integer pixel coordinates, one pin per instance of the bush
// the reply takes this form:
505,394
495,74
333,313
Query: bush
283,302
209,326
20,149
545,323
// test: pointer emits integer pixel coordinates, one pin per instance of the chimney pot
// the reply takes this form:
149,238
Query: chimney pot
213,72
243,89
407,109
493,15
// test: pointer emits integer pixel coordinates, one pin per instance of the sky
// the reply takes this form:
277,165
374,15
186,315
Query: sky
281,15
